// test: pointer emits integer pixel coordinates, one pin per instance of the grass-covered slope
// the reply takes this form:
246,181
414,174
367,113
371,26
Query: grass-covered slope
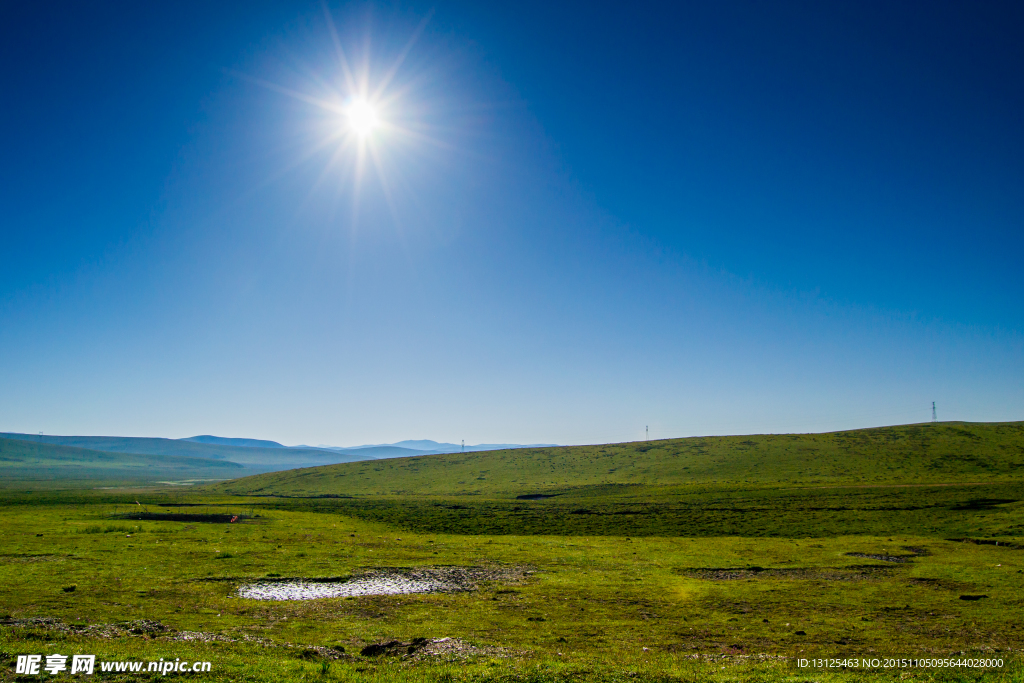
953,452
226,441
24,461
261,458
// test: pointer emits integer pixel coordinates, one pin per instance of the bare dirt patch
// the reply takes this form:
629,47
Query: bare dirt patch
210,518
201,637
943,584
855,573
31,557
884,556
898,559
105,631
422,648
988,541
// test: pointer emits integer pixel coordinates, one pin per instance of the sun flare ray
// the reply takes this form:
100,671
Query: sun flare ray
366,111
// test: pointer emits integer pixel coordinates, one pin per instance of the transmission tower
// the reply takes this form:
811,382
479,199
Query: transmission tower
647,432
933,411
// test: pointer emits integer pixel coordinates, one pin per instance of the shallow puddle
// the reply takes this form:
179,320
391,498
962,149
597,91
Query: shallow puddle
384,582
302,590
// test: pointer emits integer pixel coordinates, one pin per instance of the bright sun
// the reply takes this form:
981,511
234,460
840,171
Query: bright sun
363,114
362,118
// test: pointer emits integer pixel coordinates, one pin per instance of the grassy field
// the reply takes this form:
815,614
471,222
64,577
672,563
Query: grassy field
951,452
669,576
50,461
28,465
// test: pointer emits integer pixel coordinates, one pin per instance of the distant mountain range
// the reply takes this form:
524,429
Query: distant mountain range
425,447
373,451
223,441
54,458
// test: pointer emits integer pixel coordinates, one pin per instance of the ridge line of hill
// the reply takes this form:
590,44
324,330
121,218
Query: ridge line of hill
917,453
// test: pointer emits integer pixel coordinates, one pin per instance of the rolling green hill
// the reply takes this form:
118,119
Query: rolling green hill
251,443
945,452
24,461
260,458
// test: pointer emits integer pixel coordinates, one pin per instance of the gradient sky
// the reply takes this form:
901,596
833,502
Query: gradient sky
708,218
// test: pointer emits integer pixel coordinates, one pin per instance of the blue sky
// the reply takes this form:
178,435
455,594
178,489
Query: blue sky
708,218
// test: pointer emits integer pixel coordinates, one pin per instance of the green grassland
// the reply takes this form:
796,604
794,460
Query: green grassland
940,511
255,458
34,465
55,462
925,453
896,542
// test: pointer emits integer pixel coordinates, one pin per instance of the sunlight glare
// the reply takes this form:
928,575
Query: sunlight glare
362,118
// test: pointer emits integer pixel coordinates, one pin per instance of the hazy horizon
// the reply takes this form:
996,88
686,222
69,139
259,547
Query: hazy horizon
398,443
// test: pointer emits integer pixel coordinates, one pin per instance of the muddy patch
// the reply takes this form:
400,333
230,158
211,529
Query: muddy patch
982,504
911,553
201,637
210,518
31,557
384,581
855,573
319,653
422,648
942,584
139,627
898,559
417,649
988,541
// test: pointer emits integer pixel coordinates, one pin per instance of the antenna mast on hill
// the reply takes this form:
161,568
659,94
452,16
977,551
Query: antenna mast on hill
463,445
647,432
933,411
